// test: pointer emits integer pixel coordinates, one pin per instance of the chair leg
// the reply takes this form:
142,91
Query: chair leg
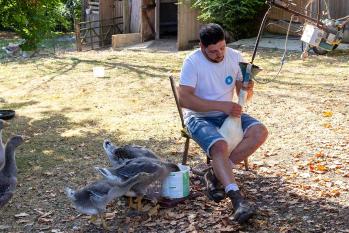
185,152
246,164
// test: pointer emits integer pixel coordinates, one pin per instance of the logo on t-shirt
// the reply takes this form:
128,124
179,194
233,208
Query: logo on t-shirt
229,80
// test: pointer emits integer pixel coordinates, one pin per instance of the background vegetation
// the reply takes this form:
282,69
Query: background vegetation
36,20
240,18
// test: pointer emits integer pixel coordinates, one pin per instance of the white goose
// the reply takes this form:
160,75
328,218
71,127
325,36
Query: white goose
231,128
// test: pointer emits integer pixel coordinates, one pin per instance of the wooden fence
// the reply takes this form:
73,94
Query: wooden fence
96,34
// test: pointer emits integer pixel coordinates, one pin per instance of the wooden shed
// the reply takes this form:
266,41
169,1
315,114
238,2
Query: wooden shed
278,16
165,19
152,19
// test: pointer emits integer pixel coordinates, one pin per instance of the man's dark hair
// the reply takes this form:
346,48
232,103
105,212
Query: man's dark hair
211,34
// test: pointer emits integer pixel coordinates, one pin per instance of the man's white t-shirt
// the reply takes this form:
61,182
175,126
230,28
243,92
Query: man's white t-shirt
212,81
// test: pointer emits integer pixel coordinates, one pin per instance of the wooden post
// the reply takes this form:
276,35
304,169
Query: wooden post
84,5
77,36
91,36
126,16
157,19
101,35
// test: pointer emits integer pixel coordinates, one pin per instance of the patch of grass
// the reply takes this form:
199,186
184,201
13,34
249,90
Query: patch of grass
66,113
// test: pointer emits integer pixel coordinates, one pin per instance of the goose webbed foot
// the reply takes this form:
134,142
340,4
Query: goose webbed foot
131,204
104,224
139,203
154,211
93,219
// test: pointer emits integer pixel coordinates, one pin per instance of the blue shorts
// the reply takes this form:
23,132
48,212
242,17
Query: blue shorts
204,130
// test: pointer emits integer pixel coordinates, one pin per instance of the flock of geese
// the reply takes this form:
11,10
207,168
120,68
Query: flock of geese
134,169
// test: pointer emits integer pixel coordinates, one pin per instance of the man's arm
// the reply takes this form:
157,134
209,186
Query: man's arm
188,99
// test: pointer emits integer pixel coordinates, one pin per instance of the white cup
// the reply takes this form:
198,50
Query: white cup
98,72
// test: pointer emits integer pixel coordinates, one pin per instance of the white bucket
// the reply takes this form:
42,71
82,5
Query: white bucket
176,185
98,72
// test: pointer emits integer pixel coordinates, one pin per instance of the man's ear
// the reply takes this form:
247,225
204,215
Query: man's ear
201,46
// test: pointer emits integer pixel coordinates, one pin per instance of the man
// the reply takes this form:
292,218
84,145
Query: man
208,78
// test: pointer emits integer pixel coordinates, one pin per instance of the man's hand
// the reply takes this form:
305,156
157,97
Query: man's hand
232,109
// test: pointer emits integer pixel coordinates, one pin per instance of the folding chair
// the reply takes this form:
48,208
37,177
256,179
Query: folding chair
184,132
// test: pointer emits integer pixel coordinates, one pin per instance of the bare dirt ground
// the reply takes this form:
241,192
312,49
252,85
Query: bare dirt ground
298,179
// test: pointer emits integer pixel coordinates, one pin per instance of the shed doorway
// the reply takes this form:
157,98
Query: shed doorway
168,22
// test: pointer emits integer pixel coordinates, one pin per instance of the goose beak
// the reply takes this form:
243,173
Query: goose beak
4,123
70,193
106,142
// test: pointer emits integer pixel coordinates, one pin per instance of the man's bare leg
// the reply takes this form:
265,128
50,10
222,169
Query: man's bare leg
223,171
221,164
254,137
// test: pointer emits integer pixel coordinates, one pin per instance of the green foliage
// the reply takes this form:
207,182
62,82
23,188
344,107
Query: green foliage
33,20
72,8
240,17
71,11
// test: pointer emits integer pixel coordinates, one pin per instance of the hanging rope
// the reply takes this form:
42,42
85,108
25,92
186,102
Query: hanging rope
283,58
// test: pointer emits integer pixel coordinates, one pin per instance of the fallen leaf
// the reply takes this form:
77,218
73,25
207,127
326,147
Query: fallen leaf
22,221
311,167
335,193
45,220
48,173
109,216
21,215
46,214
327,125
327,113
4,227
319,154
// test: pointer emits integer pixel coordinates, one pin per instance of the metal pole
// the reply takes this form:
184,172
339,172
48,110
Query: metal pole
318,12
261,28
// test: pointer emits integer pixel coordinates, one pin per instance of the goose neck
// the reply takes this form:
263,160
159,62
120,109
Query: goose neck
10,161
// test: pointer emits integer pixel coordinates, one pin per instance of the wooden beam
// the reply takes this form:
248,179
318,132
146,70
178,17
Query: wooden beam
78,36
157,19
126,16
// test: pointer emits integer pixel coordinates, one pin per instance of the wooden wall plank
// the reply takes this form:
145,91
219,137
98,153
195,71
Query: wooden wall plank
188,25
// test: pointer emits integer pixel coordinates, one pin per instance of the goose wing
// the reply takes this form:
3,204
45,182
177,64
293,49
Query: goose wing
133,167
136,151
118,155
93,197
